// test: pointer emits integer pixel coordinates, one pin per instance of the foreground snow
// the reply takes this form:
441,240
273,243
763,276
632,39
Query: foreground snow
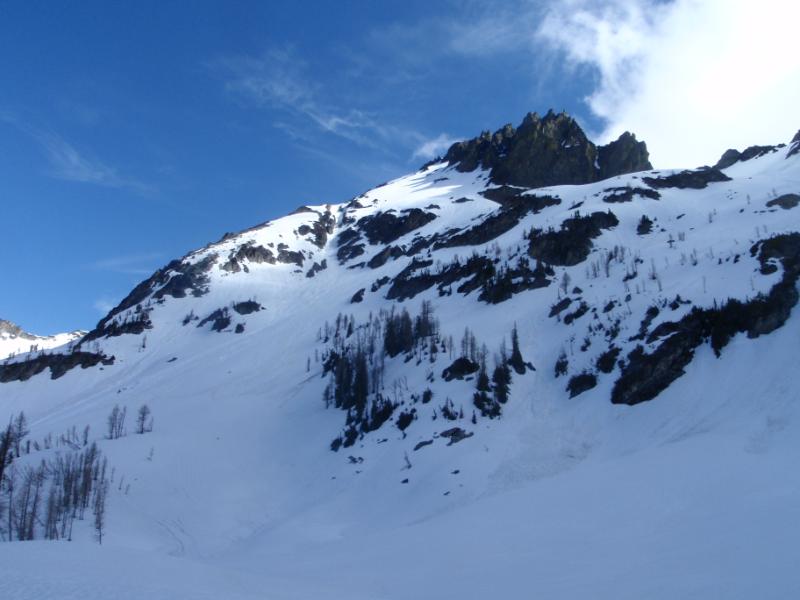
706,506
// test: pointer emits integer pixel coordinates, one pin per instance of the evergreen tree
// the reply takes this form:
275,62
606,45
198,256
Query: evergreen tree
481,399
516,361
360,384
501,378
406,332
482,382
20,431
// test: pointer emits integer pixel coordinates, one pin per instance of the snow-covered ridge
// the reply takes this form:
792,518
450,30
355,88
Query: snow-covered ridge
15,341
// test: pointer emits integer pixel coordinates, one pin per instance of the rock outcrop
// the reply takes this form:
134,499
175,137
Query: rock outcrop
549,150
795,145
731,157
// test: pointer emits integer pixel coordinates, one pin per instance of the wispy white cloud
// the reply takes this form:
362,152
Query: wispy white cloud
103,305
495,28
434,147
365,171
70,164
274,78
479,29
692,78
277,80
132,264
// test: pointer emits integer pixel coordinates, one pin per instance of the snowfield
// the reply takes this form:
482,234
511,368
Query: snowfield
236,492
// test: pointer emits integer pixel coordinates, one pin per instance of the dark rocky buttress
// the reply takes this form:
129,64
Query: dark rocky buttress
549,150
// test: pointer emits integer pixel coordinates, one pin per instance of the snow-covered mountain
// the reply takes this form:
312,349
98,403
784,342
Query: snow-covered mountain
534,367
14,340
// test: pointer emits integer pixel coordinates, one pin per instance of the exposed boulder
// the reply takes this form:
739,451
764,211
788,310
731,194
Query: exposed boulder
219,319
246,307
608,359
379,283
349,245
460,368
320,229
249,252
188,276
786,201
696,179
383,256
559,306
317,267
505,195
455,435
626,194
289,257
386,227
581,383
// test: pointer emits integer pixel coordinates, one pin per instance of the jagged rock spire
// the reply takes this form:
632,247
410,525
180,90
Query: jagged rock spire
549,150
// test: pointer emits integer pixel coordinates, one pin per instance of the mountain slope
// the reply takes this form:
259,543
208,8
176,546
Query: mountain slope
262,353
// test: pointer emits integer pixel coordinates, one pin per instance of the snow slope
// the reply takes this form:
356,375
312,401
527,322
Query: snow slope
237,494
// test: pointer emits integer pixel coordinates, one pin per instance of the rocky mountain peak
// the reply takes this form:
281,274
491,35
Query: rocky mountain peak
732,156
549,150
9,329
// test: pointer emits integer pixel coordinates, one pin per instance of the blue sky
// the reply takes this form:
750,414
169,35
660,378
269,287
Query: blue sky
133,132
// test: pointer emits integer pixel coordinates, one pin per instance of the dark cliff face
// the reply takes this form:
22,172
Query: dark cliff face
549,150
795,145
625,155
